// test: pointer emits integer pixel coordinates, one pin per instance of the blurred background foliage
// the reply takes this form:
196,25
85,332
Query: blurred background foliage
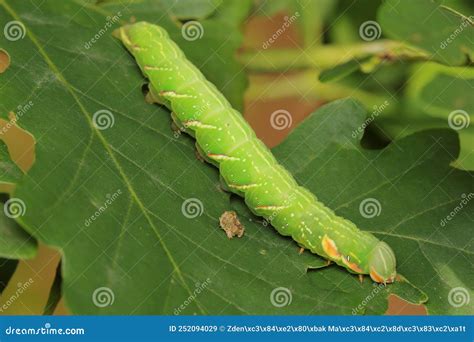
416,55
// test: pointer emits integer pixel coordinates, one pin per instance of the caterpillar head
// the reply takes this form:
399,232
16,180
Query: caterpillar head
382,264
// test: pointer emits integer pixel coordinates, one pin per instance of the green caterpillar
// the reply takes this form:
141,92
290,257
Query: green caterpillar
246,165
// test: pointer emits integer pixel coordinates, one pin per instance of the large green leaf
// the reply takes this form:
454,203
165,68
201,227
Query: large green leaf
412,184
142,252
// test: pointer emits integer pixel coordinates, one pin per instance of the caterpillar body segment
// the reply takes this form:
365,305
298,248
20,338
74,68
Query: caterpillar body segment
246,165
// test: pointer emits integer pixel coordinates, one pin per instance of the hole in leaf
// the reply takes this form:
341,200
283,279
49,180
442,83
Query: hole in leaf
4,60
20,143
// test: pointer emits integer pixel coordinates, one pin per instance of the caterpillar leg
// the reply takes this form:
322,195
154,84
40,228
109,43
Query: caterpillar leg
200,155
176,124
223,184
152,96
149,98
301,250
225,187
361,278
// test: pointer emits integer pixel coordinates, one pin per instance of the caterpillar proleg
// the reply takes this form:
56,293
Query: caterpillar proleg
245,163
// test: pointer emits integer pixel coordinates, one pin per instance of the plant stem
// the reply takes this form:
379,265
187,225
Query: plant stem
326,56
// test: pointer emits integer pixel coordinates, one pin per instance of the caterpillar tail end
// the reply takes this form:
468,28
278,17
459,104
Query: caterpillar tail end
382,264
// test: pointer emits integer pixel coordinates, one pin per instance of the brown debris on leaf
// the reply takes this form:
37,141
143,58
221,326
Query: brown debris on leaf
230,223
